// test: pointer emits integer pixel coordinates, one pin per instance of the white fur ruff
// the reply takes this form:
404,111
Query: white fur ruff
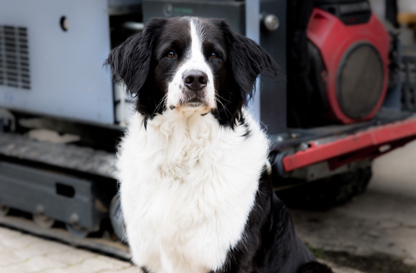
187,188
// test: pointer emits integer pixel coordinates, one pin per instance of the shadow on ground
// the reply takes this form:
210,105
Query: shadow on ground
376,263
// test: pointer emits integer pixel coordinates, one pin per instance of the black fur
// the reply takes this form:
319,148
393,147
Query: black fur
245,61
314,267
131,63
144,269
246,127
269,243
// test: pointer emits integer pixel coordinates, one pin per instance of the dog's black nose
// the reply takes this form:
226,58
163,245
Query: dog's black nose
195,80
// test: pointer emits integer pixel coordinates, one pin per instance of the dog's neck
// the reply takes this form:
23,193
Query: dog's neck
193,124
183,140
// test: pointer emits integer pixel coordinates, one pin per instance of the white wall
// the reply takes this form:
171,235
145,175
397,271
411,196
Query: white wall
379,8
407,5
404,6
406,35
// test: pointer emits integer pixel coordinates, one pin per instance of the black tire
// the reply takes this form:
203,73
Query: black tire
326,193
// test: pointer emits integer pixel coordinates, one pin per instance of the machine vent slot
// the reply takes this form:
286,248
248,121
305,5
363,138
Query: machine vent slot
14,57
65,190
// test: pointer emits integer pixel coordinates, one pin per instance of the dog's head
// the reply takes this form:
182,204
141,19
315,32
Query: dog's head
188,63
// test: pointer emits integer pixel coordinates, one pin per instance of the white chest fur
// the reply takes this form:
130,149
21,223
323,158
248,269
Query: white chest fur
187,188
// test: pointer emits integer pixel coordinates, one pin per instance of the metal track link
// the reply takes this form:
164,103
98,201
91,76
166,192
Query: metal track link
102,245
61,155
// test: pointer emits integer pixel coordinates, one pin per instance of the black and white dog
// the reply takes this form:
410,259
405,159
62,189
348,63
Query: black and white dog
195,192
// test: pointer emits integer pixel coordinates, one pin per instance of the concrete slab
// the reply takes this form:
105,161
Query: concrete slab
23,253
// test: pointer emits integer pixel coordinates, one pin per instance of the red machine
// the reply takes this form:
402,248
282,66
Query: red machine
353,55
343,66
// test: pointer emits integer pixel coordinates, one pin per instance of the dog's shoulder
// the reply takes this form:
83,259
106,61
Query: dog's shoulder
287,253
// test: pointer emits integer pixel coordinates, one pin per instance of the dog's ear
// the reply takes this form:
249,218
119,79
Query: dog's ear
247,59
130,62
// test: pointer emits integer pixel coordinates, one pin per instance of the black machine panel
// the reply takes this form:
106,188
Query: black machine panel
349,11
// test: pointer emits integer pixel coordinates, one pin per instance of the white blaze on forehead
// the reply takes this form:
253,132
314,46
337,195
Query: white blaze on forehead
196,46
194,60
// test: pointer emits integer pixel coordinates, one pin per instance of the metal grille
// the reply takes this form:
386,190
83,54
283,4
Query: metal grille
360,80
14,57
408,83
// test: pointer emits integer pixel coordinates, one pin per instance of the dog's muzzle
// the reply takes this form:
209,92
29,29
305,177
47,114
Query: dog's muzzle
195,82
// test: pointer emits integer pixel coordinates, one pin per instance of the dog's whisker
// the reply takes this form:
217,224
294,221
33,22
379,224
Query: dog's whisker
160,103
216,94
225,108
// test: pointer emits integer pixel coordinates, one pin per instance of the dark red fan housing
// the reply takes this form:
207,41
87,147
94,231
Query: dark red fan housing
351,54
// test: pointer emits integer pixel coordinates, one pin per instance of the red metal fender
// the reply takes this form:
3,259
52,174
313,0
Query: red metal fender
364,144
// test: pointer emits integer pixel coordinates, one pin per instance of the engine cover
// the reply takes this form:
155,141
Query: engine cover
354,59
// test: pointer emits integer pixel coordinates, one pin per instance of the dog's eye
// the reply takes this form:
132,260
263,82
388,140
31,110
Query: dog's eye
213,55
170,54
